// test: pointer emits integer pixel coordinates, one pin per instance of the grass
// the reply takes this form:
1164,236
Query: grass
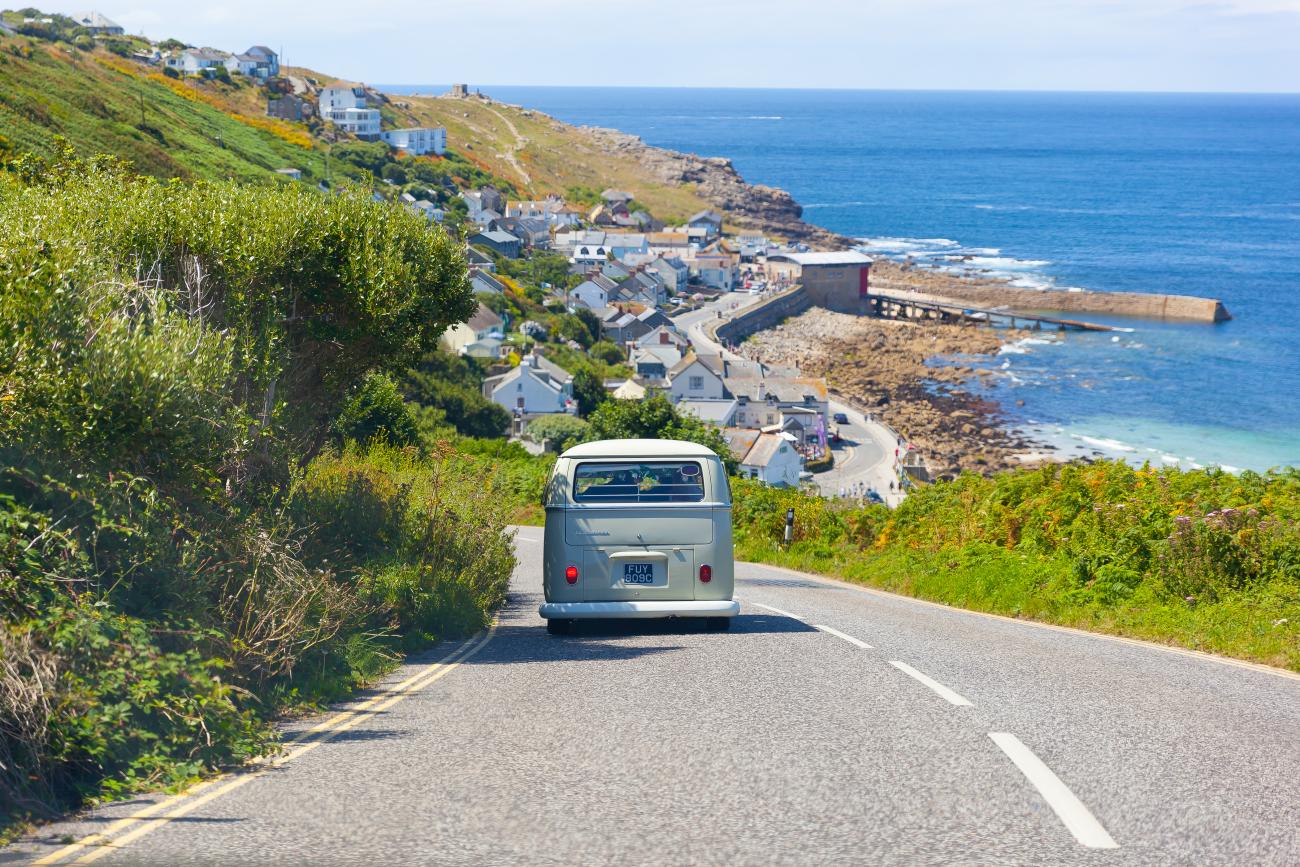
103,103
1202,560
49,89
557,156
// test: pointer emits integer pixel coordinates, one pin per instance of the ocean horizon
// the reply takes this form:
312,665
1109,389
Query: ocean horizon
1189,193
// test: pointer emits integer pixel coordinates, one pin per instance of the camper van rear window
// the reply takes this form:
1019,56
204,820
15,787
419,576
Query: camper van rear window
638,482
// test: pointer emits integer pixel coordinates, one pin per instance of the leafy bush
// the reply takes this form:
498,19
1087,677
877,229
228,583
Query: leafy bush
561,429
655,418
377,411
607,352
177,559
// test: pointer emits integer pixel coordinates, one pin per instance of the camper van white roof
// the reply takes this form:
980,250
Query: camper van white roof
639,449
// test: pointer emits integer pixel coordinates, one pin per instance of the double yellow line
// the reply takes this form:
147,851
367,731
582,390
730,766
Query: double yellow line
154,816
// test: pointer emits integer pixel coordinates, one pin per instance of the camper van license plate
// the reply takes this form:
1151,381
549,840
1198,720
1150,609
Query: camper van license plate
638,573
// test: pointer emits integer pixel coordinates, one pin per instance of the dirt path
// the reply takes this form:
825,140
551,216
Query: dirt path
520,143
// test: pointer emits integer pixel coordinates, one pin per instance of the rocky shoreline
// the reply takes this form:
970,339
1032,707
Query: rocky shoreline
882,366
750,206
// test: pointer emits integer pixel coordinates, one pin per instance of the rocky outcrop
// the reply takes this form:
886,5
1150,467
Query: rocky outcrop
883,366
715,179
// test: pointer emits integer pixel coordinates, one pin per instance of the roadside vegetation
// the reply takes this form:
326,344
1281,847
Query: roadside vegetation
1202,559
216,503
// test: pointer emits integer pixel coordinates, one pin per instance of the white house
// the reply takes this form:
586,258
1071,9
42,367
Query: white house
196,61
654,362
716,412
673,271
344,105
416,140
258,62
663,335
535,387
762,400
774,460
592,293
483,324
551,209
589,253
717,270
697,377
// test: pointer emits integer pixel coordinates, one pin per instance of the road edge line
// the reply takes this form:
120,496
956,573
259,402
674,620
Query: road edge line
101,838
1036,624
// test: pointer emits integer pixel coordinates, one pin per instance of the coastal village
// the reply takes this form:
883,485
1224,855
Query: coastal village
762,333
648,294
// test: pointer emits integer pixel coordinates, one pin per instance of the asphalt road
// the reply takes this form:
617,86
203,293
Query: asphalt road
785,741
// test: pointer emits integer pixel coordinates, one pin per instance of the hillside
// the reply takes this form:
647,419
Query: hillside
102,102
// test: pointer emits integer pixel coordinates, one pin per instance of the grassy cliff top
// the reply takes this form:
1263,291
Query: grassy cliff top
167,127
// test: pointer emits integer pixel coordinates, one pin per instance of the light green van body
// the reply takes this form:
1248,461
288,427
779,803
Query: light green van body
600,538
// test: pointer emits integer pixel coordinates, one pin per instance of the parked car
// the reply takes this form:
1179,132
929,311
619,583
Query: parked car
840,418
638,528
873,497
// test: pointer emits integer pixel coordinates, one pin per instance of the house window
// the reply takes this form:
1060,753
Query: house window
519,386
696,383
771,419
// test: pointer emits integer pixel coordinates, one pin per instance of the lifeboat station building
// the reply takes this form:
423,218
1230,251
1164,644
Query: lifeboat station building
835,281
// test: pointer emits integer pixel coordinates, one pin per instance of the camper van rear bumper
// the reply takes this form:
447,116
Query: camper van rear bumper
596,610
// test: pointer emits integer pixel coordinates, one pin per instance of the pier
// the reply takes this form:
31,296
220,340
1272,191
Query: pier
908,306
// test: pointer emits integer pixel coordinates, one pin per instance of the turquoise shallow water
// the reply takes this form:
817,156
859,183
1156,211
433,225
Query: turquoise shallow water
1131,192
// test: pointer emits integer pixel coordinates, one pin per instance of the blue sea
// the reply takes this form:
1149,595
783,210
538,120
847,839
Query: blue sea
1183,193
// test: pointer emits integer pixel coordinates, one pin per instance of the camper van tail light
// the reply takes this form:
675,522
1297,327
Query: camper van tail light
571,574
706,573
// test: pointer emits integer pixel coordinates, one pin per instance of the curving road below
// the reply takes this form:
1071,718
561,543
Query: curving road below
833,724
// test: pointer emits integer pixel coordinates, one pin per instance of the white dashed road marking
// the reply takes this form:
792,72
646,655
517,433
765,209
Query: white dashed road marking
849,638
944,692
776,610
1071,811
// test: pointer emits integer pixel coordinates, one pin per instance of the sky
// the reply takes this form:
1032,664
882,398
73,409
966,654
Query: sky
1144,45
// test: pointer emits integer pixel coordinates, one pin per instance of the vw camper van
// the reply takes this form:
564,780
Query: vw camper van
638,528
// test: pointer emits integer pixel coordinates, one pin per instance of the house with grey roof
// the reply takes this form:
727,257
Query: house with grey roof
762,400
499,242
483,283
718,412
594,293
673,271
697,377
535,387
258,62
772,458
665,335
98,24
535,233
482,324
198,61
709,221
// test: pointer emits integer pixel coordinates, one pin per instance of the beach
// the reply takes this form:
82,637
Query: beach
913,376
